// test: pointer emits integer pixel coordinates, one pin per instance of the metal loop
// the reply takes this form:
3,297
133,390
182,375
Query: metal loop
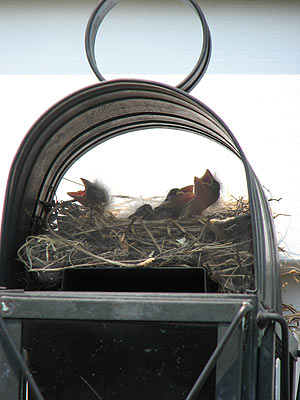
103,9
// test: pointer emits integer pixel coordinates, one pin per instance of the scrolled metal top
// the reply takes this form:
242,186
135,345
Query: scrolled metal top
192,79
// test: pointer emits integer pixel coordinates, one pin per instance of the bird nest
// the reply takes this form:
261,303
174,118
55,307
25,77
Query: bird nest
73,236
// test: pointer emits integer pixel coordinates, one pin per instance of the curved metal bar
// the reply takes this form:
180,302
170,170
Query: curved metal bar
103,8
94,22
245,308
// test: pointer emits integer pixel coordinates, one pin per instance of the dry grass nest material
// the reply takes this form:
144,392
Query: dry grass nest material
72,236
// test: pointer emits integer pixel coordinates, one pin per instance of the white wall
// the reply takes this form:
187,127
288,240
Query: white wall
249,36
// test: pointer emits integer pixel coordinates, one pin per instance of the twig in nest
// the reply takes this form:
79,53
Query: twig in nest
151,236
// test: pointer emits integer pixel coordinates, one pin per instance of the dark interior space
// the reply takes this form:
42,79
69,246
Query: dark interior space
118,360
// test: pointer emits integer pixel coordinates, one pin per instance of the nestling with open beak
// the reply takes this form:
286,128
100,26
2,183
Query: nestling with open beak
94,195
207,192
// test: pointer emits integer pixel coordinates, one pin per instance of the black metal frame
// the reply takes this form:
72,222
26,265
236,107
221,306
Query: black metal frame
167,307
227,310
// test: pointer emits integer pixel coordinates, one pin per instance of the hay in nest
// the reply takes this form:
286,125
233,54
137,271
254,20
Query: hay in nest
72,236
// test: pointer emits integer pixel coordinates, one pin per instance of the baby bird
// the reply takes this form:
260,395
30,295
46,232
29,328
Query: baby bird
207,192
142,212
93,195
172,205
169,208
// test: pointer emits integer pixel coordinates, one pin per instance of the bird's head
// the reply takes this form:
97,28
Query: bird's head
207,192
207,189
94,194
207,186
